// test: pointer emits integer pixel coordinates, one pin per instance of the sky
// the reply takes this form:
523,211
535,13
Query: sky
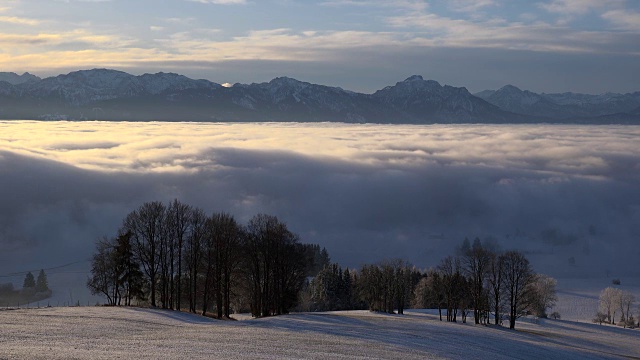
365,192
589,46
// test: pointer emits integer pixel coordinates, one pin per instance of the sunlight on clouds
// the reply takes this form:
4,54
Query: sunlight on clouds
163,147
19,20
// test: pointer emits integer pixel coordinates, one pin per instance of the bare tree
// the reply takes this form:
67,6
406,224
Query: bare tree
495,280
476,262
608,304
543,294
222,259
453,284
625,301
178,218
194,254
275,265
517,275
146,225
103,279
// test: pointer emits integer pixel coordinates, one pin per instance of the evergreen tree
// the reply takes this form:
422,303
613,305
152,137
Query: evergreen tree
29,281
41,284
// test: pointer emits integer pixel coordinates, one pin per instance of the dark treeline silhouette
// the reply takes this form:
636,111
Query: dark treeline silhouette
177,256
172,255
478,279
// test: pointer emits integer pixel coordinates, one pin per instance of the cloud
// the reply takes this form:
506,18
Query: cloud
19,20
471,5
364,191
578,7
623,19
221,2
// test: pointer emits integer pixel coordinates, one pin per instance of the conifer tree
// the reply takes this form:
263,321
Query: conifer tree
29,281
41,284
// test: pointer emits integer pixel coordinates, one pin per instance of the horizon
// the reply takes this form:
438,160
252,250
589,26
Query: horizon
546,46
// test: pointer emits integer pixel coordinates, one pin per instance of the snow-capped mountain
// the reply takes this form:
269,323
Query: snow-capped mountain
286,99
15,79
92,86
428,101
115,95
572,106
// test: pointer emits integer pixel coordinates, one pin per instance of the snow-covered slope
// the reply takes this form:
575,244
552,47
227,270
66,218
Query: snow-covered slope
108,333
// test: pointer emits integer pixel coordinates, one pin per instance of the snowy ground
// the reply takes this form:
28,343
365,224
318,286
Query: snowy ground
578,297
112,333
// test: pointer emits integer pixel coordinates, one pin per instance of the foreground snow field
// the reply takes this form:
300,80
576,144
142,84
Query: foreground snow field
112,333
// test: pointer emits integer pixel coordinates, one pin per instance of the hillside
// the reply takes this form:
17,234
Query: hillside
107,333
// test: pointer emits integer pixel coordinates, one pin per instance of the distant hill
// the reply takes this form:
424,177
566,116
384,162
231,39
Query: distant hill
103,94
567,107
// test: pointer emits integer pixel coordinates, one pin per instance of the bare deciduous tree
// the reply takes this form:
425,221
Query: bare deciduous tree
609,302
517,275
476,263
543,294
147,229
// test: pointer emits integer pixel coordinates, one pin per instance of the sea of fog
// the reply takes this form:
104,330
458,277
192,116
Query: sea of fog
569,196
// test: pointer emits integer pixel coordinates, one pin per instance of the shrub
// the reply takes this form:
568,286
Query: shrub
600,318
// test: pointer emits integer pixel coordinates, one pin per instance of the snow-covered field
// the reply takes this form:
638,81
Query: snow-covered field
112,333
578,297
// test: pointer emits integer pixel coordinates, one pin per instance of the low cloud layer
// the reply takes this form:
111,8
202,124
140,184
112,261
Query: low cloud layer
366,192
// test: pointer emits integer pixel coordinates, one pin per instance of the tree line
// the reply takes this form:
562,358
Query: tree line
177,257
479,279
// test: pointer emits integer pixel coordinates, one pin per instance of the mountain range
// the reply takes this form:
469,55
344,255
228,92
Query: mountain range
103,94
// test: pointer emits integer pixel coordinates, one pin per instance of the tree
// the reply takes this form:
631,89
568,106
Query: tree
221,248
29,281
103,279
178,220
518,276
453,285
625,301
275,264
147,228
330,289
543,294
41,283
495,280
130,279
194,254
476,261
229,258
421,296
609,302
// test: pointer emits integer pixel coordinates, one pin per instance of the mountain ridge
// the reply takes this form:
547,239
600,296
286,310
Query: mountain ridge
563,106
106,94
